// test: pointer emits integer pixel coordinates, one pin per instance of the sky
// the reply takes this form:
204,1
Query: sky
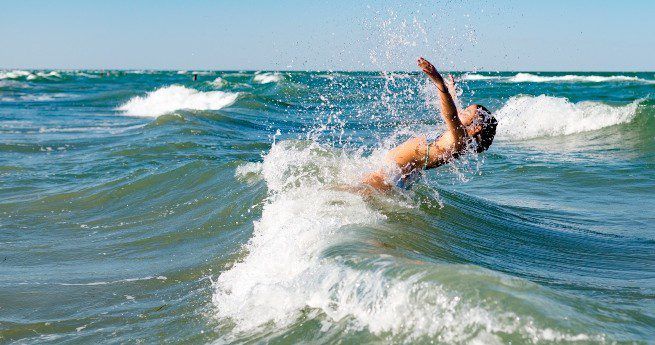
501,35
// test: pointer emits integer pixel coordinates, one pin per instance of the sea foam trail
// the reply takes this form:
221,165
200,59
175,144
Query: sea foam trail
176,97
287,269
524,117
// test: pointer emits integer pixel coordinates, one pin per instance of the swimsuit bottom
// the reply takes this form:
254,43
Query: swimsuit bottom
407,180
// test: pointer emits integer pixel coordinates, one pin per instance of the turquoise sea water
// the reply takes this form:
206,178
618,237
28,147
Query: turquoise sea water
141,206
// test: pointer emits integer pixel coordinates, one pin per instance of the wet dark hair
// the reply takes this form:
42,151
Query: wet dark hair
486,135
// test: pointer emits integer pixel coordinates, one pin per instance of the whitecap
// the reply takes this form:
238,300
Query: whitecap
524,117
218,82
474,77
15,74
176,97
572,78
265,78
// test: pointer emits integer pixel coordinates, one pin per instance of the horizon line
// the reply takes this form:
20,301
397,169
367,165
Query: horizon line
313,70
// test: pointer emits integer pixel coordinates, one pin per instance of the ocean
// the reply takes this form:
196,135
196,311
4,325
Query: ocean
145,207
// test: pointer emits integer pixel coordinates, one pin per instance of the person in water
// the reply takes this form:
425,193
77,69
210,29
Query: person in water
471,129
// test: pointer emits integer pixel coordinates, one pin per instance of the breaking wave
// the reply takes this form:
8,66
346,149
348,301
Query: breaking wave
474,77
572,78
177,97
524,117
265,78
569,78
293,264
28,75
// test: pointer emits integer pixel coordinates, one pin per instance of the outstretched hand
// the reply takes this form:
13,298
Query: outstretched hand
427,67
451,82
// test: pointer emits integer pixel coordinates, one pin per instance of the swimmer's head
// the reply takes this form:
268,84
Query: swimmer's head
480,125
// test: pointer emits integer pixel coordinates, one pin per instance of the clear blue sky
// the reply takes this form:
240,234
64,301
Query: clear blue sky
574,35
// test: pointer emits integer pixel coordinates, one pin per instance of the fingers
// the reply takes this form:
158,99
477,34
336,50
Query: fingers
451,79
424,64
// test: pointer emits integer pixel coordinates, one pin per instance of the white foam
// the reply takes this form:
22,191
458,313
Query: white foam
242,171
286,272
176,97
569,78
572,78
218,82
17,74
474,77
524,117
48,75
44,75
86,75
265,78
14,74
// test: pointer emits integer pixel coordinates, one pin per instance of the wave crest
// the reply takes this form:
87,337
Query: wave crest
525,77
14,74
533,78
218,82
265,78
28,75
293,264
176,97
474,77
524,117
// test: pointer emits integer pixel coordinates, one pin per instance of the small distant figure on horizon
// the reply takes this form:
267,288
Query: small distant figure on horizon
195,77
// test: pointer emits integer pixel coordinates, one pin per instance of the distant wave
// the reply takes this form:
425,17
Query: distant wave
524,117
479,77
27,75
265,78
569,78
86,75
533,78
218,82
45,75
14,74
175,97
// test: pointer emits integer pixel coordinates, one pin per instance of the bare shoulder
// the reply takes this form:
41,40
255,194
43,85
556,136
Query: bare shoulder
409,153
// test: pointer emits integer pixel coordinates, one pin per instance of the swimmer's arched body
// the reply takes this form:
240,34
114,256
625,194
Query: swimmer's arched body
473,124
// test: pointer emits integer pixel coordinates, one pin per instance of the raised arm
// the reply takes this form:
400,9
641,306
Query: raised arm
448,108
452,90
